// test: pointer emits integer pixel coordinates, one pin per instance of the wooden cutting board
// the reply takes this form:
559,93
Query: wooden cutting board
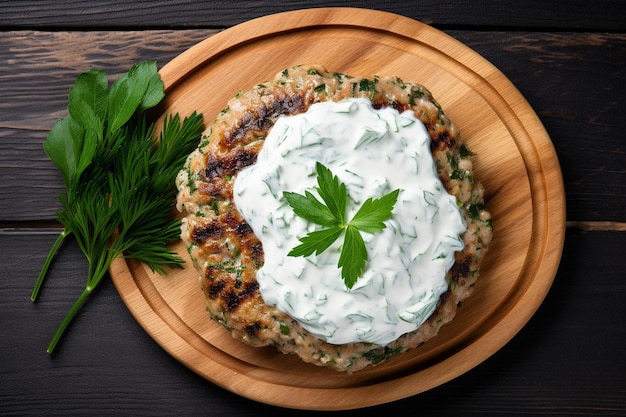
515,161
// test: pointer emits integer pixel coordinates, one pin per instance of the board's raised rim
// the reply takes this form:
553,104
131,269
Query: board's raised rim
549,201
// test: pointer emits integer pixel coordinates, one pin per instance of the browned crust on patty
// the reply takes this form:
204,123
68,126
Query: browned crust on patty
226,252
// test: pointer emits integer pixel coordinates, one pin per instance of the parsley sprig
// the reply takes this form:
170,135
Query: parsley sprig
331,214
118,174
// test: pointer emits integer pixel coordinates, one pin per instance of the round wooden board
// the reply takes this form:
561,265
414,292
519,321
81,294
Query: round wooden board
515,161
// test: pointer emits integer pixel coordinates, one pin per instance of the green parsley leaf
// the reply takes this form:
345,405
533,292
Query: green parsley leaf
316,242
374,212
84,107
332,191
147,72
311,209
353,256
124,99
332,215
89,92
63,153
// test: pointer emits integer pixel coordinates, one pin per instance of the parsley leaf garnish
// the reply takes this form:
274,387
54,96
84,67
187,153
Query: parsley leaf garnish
118,174
331,214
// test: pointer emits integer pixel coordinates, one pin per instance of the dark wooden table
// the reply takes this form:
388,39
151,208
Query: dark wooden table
568,58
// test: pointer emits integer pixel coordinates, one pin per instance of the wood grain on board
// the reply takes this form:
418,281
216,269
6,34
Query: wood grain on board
515,161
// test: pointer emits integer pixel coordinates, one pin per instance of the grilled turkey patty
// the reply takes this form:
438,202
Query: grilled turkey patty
227,254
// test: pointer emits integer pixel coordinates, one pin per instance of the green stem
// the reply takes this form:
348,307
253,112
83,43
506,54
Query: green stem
46,265
68,318
95,277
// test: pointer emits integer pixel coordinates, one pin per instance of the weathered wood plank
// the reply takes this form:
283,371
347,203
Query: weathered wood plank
602,15
577,85
38,69
108,365
575,82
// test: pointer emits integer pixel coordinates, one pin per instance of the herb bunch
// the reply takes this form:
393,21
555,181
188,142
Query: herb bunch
331,214
119,175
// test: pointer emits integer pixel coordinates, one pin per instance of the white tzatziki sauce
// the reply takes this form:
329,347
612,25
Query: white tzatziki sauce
372,152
